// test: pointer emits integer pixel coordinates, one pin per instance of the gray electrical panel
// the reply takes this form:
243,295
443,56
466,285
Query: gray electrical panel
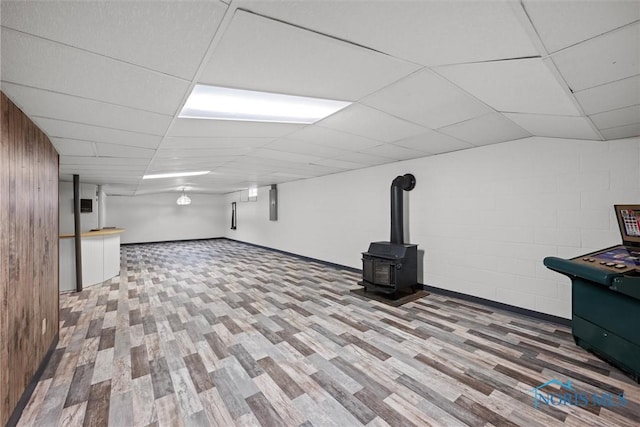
273,203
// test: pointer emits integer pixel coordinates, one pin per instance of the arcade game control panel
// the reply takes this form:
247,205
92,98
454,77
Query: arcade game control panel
606,295
623,258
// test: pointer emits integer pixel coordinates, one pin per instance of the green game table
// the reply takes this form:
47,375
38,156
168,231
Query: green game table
606,304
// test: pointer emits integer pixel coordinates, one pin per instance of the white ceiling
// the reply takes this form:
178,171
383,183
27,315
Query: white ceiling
106,80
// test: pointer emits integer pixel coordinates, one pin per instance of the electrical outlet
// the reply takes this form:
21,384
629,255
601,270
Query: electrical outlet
44,326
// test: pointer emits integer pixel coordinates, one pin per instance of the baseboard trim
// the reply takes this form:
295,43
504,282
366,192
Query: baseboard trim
172,241
26,395
495,304
302,257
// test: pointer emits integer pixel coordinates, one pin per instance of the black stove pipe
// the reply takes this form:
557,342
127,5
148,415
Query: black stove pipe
402,183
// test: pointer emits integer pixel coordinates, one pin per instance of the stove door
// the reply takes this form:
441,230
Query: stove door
378,271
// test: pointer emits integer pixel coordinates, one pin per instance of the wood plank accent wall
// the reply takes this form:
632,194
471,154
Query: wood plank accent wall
28,252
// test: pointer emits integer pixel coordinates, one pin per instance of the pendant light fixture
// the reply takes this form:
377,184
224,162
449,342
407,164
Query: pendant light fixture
184,199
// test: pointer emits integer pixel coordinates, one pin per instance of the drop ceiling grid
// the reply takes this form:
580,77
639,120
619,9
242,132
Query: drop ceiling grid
31,60
456,31
572,127
489,129
262,54
66,147
70,108
517,86
83,132
168,37
296,146
333,138
610,96
561,24
390,112
604,59
370,123
434,142
444,105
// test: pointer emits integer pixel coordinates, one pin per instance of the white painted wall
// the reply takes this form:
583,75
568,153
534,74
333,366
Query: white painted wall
88,221
157,217
485,217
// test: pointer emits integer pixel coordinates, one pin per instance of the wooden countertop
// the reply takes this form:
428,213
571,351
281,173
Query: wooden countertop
103,232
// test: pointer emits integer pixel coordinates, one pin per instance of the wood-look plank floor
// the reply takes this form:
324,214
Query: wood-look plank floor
220,333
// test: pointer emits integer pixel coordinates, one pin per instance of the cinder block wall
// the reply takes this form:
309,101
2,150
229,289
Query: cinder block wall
485,217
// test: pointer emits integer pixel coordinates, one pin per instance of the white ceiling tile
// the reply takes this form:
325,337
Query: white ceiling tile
248,162
168,36
102,161
605,59
304,147
489,129
264,54
319,168
370,123
523,86
610,96
434,143
189,161
395,152
333,138
105,179
185,166
426,99
149,187
340,164
621,132
564,23
29,61
285,175
37,102
99,168
113,150
365,159
426,32
175,185
72,147
69,130
616,118
555,126
107,175
230,128
120,190
189,143
203,152
264,153
107,110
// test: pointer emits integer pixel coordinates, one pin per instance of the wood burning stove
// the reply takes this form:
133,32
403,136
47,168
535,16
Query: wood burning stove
389,267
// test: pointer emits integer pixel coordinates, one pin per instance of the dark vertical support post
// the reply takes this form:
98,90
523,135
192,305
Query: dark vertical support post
78,237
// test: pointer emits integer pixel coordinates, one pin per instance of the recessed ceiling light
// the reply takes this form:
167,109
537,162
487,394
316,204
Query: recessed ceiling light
174,175
220,103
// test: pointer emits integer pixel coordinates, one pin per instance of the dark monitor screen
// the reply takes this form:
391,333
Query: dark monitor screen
86,205
629,223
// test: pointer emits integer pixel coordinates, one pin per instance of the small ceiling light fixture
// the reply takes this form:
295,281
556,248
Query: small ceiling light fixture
184,199
174,175
221,103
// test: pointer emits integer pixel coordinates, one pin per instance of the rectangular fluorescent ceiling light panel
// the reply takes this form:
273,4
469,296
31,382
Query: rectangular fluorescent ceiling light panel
174,175
221,103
